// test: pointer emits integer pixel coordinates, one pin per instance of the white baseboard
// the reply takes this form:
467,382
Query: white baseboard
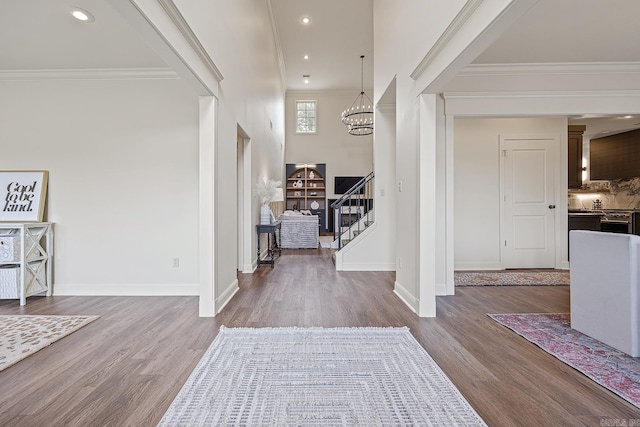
226,296
249,268
477,266
406,297
462,266
441,290
127,290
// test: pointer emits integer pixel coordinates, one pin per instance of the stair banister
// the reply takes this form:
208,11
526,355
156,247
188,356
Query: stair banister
356,205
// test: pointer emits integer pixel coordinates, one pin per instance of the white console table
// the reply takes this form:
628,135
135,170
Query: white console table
25,259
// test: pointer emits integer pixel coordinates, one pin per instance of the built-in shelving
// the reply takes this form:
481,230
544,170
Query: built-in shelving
306,190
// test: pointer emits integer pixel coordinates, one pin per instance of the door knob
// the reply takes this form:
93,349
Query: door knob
552,206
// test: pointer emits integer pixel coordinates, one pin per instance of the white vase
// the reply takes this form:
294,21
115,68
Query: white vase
265,215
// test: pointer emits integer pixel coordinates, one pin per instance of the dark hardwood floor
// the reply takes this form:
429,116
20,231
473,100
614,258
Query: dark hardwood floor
125,368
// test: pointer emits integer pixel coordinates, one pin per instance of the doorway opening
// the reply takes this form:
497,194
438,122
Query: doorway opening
243,202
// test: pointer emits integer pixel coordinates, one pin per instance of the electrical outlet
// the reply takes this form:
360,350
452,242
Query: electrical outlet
176,262
399,186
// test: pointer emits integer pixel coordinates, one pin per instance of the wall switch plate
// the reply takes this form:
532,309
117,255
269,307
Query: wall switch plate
176,262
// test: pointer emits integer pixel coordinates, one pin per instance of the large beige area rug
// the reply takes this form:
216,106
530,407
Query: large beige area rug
318,377
21,336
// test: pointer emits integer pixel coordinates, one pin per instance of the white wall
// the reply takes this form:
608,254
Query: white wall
238,37
375,248
344,154
477,185
414,25
127,175
417,26
122,158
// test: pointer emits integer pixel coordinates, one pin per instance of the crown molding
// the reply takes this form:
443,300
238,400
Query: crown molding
456,24
326,92
543,94
559,68
276,38
90,74
541,103
176,17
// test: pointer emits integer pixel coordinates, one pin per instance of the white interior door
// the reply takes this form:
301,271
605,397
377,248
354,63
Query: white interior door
528,203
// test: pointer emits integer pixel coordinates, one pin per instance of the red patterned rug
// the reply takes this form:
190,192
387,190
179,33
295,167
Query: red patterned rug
511,278
607,366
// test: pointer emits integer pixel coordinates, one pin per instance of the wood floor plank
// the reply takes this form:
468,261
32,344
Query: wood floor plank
125,368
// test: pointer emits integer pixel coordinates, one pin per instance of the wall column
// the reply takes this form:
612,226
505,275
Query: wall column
427,213
207,226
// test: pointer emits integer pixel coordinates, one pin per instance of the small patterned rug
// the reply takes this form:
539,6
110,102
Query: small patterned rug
318,377
511,278
21,336
607,366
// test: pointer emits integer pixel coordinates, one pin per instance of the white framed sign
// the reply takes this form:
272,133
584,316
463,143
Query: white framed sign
23,195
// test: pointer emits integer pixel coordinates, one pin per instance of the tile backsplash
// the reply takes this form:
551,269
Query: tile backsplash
614,194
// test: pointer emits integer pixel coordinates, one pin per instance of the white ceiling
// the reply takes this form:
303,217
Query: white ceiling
574,31
339,32
41,35
571,31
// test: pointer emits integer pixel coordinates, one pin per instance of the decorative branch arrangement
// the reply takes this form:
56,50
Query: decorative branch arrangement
266,190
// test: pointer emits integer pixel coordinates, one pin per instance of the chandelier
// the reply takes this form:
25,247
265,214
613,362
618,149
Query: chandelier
359,118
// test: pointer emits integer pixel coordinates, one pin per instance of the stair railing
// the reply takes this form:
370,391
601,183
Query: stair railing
353,212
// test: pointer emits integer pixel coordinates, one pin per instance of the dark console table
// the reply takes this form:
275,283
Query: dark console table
272,244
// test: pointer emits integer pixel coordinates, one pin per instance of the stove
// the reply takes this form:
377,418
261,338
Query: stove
618,220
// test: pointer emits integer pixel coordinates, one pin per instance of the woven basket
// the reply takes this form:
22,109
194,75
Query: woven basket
10,248
9,282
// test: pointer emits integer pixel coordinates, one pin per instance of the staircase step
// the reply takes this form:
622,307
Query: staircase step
368,223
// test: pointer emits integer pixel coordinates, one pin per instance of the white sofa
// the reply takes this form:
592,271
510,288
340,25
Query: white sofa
605,288
298,231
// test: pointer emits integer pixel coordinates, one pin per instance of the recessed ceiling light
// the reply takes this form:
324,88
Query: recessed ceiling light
306,78
82,15
305,20
306,57
627,117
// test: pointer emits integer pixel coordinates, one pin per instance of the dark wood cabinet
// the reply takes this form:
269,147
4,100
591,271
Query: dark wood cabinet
616,156
584,222
575,155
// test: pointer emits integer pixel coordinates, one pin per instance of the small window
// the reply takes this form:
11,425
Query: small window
306,116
